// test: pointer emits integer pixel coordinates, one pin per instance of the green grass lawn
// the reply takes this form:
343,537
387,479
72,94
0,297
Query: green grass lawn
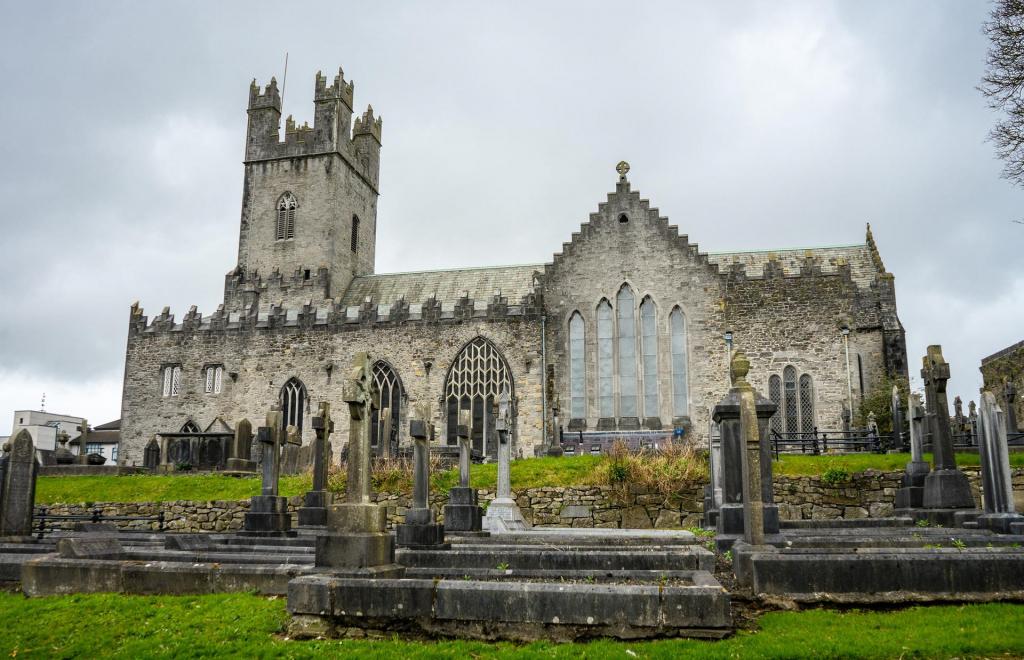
244,625
528,473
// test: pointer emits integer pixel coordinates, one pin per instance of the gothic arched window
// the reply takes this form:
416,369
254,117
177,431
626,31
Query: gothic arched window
627,352
577,368
293,403
475,381
355,233
775,395
286,206
649,353
214,379
789,398
806,404
171,380
389,395
605,361
190,427
680,375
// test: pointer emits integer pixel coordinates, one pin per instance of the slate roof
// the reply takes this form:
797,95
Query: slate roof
514,282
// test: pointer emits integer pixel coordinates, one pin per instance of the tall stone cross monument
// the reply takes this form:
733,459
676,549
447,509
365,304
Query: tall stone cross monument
503,514
911,493
945,487
463,513
314,509
83,440
356,542
420,529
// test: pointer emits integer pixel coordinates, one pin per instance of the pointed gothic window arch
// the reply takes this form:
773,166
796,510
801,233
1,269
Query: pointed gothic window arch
649,356
775,395
789,399
190,427
806,404
680,364
286,205
293,403
577,367
389,395
626,334
605,360
474,382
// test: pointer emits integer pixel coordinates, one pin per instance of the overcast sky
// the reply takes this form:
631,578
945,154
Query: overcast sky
751,126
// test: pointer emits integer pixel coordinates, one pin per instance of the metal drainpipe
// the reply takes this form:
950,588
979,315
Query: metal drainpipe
544,381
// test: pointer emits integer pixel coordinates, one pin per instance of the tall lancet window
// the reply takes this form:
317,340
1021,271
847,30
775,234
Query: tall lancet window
775,394
577,369
627,352
286,206
789,398
649,352
605,361
680,368
806,404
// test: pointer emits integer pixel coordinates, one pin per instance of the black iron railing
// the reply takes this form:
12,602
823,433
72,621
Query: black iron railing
819,442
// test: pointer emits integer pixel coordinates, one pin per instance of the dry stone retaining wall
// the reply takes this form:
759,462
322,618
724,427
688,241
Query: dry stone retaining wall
864,494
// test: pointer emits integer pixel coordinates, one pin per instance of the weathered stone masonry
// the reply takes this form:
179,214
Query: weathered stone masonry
300,307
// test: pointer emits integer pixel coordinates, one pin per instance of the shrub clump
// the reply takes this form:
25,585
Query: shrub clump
665,471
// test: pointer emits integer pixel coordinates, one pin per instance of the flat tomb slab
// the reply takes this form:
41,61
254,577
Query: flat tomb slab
518,610
561,558
53,575
877,575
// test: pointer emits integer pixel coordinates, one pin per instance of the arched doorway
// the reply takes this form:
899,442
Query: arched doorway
474,382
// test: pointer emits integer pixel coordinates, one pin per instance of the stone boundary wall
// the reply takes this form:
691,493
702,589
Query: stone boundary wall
865,494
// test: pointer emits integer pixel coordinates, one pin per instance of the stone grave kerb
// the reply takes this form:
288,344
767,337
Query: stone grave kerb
18,491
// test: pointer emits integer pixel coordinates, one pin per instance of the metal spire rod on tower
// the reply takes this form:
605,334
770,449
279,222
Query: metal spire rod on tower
284,81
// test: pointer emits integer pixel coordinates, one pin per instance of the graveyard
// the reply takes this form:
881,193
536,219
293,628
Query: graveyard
461,555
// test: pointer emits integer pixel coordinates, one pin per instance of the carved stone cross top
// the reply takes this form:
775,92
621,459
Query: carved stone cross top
323,425
359,391
464,426
420,427
503,424
935,370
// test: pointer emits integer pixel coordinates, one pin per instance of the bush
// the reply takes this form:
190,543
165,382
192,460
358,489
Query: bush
834,475
879,401
666,471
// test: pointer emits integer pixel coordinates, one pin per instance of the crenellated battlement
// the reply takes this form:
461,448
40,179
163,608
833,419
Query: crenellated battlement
333,314
340,90
332,131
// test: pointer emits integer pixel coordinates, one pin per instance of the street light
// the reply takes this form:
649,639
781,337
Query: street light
845,330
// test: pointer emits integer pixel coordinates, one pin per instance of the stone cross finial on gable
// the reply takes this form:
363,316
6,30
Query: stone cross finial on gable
622,168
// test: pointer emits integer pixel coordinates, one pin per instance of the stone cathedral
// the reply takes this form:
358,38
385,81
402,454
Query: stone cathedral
622,330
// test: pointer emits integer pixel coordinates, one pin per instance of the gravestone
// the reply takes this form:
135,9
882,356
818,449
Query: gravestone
733,445
63,455
151,455
290,450
713,490
899,442
996,479
420,529
503,513
752,435
268,512
314,509
384,439
945,488
911,493
356,542
463,513
18,493
240,462
554,447
83,440
1010,403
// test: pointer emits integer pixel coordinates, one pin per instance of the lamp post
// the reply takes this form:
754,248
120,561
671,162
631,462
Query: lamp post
845,330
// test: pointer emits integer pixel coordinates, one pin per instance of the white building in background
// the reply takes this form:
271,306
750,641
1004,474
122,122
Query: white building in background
44,426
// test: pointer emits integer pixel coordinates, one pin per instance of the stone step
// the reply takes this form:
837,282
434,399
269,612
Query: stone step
530,557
